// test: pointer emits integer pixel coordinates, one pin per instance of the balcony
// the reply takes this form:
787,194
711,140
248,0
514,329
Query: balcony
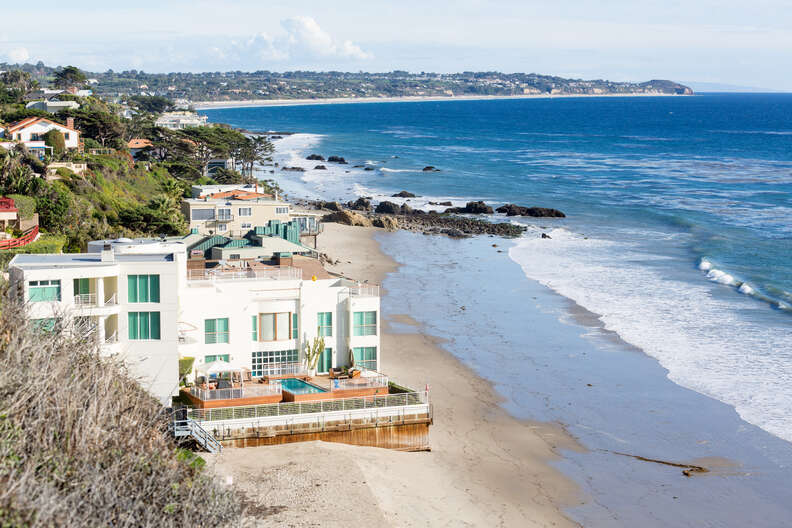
90,300
280,273
220,220
206,397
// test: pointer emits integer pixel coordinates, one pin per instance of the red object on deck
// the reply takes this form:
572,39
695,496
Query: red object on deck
24,240
7,204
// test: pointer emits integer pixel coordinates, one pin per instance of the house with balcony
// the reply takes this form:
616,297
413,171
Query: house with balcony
147,302
233,217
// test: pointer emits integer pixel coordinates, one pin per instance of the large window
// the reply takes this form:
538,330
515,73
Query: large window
215,331
281,210
274,362
144,325
143,288
202,214
325,322
45,325
245,211
217,357
44,290
224,214
365,357
255,328
275,326
295,329
364,323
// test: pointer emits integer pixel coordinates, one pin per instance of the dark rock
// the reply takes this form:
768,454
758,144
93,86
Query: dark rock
387,208
361,204
293,169
403,194
357,166
447,204
332,206
430,168
336,159
369,169
315,157
320,167
348,218
472,208
537,212
545,235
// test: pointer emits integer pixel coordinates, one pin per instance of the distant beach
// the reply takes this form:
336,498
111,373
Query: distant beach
251,103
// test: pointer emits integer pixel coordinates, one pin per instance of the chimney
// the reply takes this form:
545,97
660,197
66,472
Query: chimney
107,253
70,122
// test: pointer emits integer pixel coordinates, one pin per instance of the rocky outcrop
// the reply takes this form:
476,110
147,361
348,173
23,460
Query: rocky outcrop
446,204
348,218
430,168
403,194
389,223
536,212
337,159
315,157
395,209
332,206
456,226
368,169
361,204
320,167
293,169
472,208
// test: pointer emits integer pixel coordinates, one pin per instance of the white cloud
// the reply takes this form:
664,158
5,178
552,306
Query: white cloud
302,41
17,55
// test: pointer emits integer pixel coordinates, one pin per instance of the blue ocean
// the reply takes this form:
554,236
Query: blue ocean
678,231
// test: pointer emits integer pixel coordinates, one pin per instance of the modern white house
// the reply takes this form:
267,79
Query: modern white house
146,302
179,120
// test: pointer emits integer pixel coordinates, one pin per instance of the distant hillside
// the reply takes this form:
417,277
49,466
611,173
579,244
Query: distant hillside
235,86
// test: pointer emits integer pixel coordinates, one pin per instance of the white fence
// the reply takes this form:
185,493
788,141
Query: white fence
280,369
364,290
236,392
280,273
85,299
368,380
294,410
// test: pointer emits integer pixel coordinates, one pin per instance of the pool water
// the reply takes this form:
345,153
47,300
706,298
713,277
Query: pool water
298,386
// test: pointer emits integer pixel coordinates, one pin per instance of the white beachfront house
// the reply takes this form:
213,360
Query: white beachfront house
179,120
233,214
145,301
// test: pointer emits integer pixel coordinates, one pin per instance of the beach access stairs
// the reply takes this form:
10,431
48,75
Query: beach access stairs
189,428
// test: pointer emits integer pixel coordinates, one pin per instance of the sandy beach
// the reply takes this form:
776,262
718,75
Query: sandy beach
485,467
209,105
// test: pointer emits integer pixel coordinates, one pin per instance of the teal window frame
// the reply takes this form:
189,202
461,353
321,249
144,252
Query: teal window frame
143,288
263,362
47,324
44,291
254,334
215,357
364,323
82,286
324,322
295,329
144,326
325,362
216,331
365,357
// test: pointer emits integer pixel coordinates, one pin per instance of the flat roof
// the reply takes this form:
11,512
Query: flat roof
44,260
220,201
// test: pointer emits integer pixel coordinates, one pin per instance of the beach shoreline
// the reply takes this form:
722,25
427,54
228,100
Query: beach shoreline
486,468
252,103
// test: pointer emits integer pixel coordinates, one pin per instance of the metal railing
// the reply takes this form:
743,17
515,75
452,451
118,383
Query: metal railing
85,299
280,273
309,407
212,338
112,339
112,301
364,290
280,369
370,381
236,392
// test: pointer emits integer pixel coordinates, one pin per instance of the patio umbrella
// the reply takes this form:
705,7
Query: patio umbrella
217,367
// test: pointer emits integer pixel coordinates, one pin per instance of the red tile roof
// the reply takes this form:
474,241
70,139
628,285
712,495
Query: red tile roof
139,143
20,125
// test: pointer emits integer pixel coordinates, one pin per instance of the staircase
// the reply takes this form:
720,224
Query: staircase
191,428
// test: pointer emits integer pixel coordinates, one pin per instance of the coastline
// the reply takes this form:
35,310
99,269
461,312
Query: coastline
251,103
486,468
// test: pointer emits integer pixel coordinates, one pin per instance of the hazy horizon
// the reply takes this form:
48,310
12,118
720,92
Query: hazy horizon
726,43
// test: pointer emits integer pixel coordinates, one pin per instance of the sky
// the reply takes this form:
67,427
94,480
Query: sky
724,42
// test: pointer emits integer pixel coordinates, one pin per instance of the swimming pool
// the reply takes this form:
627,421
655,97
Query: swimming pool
298,386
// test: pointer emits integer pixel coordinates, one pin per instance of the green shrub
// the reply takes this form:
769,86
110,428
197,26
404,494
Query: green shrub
25,204
45,244
55,139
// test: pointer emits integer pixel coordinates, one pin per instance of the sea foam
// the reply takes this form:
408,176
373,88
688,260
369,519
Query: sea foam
705,341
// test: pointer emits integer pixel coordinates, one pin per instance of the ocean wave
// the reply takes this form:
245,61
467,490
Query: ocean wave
385,169
709,343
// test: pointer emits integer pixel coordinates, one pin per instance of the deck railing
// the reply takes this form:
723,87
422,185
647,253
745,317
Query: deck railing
308,407
280,273
371,381
364,290
236,392
24,240
281,369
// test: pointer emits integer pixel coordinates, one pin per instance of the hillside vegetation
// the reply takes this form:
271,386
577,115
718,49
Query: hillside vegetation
83,445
